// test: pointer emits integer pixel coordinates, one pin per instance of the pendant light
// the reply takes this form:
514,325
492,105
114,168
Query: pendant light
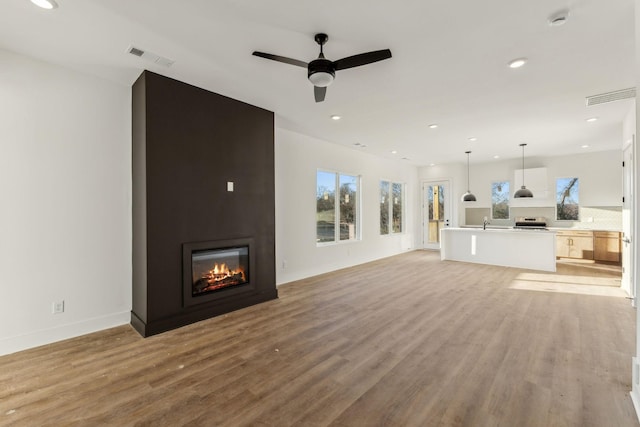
523,191
468,196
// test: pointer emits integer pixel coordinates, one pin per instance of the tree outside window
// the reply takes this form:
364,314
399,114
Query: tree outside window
391,207
384,207
500,200
567,199
345,209
396,206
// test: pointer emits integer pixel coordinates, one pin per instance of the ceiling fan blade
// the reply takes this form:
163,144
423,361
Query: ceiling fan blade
319,93
281,59
362,59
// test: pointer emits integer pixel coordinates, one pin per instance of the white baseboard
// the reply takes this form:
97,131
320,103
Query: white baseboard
48,336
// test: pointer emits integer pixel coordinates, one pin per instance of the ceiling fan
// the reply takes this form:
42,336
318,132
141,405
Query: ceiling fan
322,71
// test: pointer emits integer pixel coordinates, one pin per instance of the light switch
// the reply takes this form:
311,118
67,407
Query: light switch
229,185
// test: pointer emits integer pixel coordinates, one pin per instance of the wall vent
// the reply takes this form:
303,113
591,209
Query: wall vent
616,95
150,56
136,51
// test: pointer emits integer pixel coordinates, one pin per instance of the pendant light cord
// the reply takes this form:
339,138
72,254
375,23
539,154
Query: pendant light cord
468,181
523,145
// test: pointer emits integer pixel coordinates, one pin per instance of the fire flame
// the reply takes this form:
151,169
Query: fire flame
222,271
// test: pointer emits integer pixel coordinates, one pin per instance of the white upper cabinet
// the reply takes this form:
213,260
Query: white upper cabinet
536,180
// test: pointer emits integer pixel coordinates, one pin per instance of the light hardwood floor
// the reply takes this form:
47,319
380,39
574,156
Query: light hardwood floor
404,341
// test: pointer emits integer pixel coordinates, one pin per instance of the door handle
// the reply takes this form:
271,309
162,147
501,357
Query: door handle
626,240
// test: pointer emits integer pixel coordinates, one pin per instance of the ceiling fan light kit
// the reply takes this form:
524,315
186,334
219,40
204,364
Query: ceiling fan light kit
321,71
320,75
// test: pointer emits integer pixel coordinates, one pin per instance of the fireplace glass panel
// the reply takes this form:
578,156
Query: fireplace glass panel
215,269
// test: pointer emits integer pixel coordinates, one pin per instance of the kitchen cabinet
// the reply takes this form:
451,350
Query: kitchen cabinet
574,244
535,180
607,246
531,249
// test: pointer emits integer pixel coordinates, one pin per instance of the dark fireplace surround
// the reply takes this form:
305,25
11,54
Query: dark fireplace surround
203,183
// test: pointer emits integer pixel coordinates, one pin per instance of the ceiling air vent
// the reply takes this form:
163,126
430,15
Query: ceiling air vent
616,95
150,56
136,51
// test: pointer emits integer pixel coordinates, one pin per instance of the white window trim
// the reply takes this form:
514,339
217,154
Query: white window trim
403,206
508,203
358,208
555,199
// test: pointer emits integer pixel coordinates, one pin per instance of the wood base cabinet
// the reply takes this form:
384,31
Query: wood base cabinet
574,244
607,246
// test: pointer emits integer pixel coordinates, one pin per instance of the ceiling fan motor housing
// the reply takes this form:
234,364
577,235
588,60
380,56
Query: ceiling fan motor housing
321,72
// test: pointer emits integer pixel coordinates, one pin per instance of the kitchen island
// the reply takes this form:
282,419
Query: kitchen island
508,247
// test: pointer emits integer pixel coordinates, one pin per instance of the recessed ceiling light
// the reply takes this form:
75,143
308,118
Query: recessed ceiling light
473,139
335,117
517,63
356,143
592,119
45,4
394,152
496,157
432,164
433,126
584,146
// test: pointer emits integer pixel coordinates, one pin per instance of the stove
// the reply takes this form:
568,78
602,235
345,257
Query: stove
531,223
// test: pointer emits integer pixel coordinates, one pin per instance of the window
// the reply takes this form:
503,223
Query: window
500,200
384,207
396,208
567,206
391,207
345,209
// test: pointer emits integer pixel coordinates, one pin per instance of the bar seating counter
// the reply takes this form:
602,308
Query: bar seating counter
508,247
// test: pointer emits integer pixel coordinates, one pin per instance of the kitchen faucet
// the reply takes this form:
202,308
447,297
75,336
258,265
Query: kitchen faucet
484,223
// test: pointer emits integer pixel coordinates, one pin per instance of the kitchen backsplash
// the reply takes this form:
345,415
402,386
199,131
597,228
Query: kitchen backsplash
591,218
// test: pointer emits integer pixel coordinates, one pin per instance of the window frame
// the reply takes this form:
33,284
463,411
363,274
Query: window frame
403,193
577,182
508,192
337,210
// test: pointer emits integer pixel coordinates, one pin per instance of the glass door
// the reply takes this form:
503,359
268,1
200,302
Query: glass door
436,212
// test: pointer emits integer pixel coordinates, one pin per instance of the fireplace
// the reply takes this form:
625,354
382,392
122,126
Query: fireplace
215,269
183,205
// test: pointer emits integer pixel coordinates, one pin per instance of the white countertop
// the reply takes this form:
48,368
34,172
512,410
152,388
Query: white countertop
504,227
508,247
499,229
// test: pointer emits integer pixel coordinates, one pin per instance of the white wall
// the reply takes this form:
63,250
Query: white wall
457,174
65,216
65,220
298,157
600,176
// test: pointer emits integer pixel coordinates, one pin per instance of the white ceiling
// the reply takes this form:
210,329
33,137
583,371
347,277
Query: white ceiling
449,65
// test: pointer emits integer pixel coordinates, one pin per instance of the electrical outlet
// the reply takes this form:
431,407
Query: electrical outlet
57,307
